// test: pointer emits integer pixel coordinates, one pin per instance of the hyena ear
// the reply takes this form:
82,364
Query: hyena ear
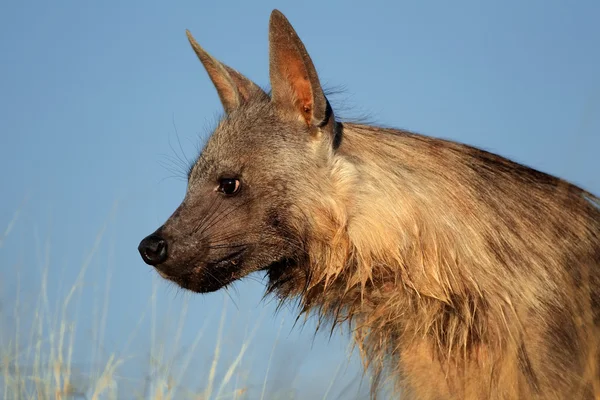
294,81
233,88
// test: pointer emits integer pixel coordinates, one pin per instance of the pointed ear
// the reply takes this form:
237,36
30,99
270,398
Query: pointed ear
294,81
232,87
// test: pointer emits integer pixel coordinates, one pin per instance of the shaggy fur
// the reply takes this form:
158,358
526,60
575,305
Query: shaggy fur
463,275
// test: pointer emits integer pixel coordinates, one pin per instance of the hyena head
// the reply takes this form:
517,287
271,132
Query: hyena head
248,192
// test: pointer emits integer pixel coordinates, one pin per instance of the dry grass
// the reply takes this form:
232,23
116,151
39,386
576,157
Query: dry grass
37,352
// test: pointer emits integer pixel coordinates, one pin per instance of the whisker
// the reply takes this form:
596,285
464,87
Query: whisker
226,238
174,161
171,165
185,160
224,213
209,213
231,297
214,217
226,246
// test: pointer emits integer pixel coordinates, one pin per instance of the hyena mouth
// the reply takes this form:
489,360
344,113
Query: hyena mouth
215,274
231,260
205,277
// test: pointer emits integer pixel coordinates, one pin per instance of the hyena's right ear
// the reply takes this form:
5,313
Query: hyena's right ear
232,87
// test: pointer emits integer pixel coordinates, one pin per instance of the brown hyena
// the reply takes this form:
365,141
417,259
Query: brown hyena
462,274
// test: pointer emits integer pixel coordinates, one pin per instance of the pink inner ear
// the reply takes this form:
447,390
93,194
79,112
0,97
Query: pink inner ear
292,67
304,97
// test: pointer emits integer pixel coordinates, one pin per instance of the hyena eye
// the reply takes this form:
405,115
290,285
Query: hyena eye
229,186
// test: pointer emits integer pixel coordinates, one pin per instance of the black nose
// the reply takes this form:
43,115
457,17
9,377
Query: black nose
153,250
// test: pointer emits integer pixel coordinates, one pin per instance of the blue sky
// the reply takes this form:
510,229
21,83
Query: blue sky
92,95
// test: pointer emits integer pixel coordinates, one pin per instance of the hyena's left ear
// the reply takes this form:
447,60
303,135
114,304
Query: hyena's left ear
294,81
233,88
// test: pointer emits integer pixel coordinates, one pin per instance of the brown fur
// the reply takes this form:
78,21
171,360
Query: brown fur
462,274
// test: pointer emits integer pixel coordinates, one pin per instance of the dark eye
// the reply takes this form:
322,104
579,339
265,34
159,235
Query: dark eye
229,186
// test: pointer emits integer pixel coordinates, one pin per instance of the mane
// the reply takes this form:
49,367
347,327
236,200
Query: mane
414,237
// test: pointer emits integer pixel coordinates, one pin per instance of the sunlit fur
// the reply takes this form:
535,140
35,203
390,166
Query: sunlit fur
462,274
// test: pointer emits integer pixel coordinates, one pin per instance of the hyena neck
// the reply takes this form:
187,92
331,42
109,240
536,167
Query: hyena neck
423,239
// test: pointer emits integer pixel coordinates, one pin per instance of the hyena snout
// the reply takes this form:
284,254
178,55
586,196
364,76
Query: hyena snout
153,249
